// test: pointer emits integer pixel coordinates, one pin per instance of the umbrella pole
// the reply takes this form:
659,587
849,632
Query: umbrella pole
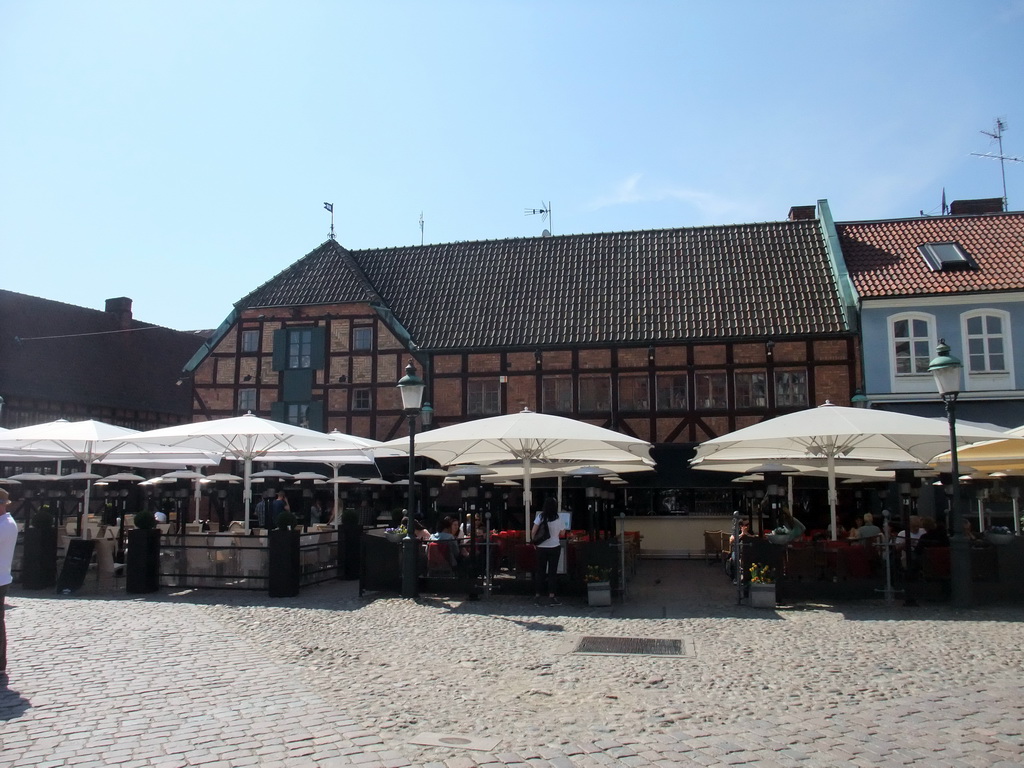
832,495
85,499
527,497
337,512
247,491
198,495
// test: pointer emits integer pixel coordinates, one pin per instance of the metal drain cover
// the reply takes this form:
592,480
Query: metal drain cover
630,646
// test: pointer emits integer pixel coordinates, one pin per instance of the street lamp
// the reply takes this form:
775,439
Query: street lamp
946,370
411,386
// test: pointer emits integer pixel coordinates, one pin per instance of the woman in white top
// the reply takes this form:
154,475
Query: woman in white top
548,552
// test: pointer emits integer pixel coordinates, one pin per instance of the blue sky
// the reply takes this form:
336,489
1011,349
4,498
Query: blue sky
179,153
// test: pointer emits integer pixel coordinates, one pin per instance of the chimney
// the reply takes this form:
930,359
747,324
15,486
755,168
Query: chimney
121,308
974,207
798,212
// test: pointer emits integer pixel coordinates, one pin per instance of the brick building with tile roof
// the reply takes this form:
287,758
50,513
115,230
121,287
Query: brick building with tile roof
671,335
58,361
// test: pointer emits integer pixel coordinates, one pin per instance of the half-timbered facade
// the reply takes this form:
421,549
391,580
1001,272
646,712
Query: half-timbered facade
671,335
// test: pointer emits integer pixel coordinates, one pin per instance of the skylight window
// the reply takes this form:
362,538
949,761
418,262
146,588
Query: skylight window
946,257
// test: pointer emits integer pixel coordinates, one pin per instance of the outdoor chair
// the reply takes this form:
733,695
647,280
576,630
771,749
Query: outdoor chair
712,546
106,567
439,559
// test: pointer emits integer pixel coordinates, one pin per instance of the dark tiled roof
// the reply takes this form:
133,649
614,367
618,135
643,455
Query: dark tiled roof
87,364
883,259
704,283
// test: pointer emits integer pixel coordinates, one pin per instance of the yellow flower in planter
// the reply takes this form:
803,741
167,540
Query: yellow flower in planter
761,574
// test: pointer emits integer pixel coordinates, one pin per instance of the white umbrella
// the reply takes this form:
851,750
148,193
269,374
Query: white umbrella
250,438
831,433
85,441
527,437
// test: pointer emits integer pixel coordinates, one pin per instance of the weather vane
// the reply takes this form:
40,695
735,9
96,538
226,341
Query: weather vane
330,208
545,214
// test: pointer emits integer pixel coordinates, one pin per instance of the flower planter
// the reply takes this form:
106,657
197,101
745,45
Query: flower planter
39,558
142,561
599,593
394,537
1000,538
762,595
284,563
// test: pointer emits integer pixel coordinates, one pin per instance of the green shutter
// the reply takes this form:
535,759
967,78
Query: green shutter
277,411
316,354
315,415
280,349
297,385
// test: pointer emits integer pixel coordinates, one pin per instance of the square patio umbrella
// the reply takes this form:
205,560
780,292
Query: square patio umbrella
251,438
86,441
832,433
526,437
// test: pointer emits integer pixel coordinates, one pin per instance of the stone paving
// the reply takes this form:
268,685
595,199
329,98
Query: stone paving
330,679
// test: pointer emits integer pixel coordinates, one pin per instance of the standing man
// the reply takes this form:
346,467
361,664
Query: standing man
277,506
8,538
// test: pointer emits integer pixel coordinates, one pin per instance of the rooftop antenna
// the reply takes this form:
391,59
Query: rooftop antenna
545,215
421,227
997,134
330,207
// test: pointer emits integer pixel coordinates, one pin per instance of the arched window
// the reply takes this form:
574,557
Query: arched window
912,345
985,332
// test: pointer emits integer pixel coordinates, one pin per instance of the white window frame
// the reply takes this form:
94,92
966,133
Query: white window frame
789,400
753,401
557,391
362,399
667,388
249,349
483,397
634,392
244,395
920,380
299,352
716,384
358,333
988,379
595,394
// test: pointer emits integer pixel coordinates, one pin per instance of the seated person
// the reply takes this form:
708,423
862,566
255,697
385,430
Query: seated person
744,533
934,535
969,533
851,532
916,531
867,532
448,530
419,530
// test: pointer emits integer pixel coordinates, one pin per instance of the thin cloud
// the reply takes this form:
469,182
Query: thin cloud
631,191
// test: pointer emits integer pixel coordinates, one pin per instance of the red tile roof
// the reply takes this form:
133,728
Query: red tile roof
883,259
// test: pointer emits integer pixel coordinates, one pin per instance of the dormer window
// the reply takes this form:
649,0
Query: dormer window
946,257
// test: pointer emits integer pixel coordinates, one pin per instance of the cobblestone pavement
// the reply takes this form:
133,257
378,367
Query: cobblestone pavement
329,679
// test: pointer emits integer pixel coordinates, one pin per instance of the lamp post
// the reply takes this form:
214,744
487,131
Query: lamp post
946,370
411,386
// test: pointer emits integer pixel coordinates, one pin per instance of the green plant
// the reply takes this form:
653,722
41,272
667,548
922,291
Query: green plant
761,574
349,517
145,520
42,519
596,573
285,521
